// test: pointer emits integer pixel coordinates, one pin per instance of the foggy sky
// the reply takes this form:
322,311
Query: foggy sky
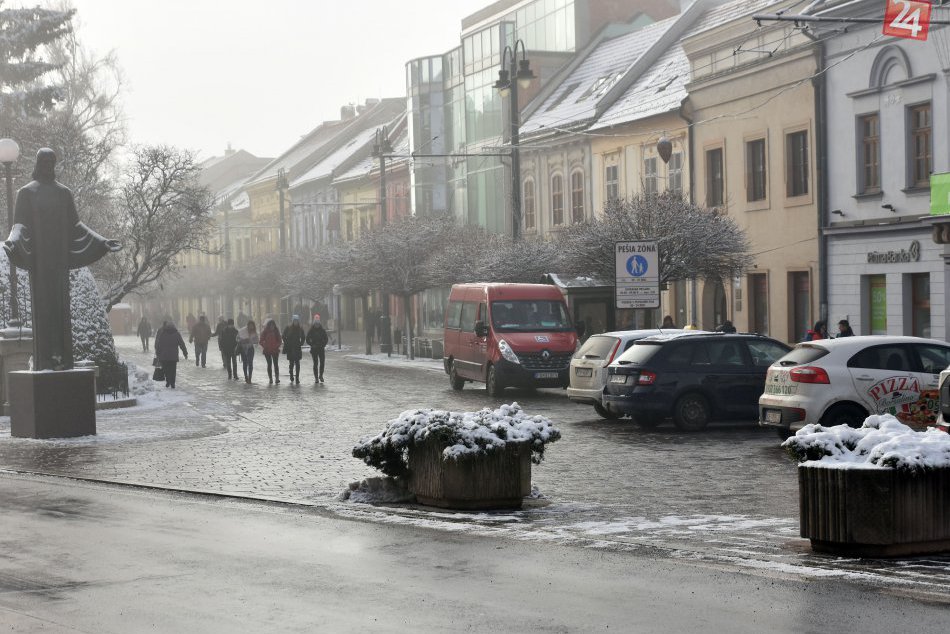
259,74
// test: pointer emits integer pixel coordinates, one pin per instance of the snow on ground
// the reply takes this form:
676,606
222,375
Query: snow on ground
883,442
400,361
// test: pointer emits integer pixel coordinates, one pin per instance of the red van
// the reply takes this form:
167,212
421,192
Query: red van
508,335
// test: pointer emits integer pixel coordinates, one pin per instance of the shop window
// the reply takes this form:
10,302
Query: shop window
755,170
799,290
796,163
714,178
577,197
920,304
870,168
759,303
920,145
877,304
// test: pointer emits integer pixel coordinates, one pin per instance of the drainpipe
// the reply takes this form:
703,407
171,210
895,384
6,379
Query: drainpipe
821,132
693,299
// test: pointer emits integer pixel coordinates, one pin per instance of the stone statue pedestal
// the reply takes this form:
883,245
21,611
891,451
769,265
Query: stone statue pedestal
52,404
15,353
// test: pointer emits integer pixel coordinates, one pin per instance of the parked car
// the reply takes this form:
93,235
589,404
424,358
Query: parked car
507,335
691,377
842,381
943,416
589,365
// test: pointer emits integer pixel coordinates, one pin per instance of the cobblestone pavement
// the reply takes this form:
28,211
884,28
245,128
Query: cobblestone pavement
728,495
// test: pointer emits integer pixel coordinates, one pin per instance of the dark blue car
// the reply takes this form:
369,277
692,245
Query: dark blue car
692,378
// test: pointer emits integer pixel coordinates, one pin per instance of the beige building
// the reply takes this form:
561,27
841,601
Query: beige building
752,104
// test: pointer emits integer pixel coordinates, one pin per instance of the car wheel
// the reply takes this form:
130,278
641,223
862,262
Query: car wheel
691,412
606,413
844,414
455,380
491,382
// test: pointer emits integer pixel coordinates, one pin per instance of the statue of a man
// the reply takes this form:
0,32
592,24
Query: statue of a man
48,240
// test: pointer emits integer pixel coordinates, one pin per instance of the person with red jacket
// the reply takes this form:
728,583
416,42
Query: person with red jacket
820,331
270,344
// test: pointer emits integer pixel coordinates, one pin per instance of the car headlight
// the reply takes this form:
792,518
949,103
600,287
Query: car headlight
506,352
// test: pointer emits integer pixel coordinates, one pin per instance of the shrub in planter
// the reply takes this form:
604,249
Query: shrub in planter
879,490
462,459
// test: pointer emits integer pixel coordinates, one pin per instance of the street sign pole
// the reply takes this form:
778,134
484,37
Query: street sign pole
637,274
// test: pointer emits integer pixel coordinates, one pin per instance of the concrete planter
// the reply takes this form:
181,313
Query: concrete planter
499,479
875,512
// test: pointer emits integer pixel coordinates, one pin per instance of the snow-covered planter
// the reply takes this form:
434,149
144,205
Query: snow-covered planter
882,490
469,460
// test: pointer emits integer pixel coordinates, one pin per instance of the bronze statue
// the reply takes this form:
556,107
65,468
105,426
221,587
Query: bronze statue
47,239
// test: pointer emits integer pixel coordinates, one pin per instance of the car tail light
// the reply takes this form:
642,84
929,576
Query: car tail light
809,374
613,352
646,378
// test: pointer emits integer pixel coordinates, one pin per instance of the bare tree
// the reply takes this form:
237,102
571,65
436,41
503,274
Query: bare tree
161,212
694,242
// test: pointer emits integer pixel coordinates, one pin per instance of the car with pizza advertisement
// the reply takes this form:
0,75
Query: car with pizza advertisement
842,381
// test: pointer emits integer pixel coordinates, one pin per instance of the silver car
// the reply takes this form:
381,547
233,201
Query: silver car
589,365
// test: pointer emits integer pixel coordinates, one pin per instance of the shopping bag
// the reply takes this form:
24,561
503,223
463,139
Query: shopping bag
158,375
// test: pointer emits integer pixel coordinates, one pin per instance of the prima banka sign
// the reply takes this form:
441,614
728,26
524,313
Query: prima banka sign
904,256
907,19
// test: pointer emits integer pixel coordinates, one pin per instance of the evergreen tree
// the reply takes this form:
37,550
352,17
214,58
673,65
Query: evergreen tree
23,34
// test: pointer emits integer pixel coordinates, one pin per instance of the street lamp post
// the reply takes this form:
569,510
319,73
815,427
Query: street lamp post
508,84
381,148
281,186
9,153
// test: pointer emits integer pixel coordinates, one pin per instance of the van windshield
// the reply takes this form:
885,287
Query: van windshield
530,316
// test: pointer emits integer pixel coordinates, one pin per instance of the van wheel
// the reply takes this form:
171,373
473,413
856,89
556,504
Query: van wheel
455,380
691,412
844,414
491,382
606,413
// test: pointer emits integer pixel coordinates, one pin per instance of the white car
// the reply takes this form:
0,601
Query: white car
842,381
589,365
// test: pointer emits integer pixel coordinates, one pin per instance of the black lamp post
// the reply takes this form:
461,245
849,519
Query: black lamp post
9,153
382,146
281,186
508,86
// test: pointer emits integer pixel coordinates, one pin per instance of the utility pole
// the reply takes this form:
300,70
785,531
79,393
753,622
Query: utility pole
281,186
381,148
507,85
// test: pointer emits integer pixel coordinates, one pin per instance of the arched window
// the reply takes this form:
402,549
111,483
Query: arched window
577,196
557,199
527,204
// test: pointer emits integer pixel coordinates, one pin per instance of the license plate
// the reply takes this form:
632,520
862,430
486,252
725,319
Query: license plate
618,378
773,416
778,389
545,375
584,372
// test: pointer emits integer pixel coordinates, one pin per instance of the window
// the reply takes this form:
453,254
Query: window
612,182
877,304
557,199
759,303
649,176
714,178
577,197
453,315
920,145
468,316
869,127
796,163
528,204
725,352
920,302
755,170
895,358
765,353
675,180
934,359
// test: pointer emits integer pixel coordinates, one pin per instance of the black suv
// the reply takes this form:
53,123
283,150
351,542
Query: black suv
691,377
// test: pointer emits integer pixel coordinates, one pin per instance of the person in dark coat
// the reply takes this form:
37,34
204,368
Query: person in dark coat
294,338
200,336
318,339
844,329
167,343
726,327
227,341
144,332
270,345
218,329
247,340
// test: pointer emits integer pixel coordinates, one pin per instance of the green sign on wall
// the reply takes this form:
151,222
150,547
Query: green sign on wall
939,194
878,296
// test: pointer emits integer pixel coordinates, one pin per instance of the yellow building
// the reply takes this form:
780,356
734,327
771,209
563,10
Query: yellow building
752,103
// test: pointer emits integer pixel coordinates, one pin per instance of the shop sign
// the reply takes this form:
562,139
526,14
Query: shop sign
939,194
907,18
910,254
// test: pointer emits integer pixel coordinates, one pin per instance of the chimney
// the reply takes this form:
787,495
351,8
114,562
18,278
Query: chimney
372,101
347,112
229,151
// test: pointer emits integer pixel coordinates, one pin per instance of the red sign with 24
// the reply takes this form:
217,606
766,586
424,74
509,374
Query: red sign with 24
907,18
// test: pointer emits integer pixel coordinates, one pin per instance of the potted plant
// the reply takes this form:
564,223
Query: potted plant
462,460
881,490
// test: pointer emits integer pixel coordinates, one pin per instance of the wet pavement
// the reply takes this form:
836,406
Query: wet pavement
727,496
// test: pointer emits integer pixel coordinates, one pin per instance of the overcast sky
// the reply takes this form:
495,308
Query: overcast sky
259,74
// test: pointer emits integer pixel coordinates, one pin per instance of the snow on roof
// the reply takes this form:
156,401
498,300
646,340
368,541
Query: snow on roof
728,12
565,281
661,89
325,168
298,152
361,169
576,100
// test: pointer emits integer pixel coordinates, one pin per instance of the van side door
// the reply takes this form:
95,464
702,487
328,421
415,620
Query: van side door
453,317
467,363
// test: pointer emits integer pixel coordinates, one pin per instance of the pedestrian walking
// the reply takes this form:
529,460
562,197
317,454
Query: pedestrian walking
145,332
294,338
317,339
242,319
247,339
167,343
270,345
228,342
218,329
200,336
190,321
844,329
